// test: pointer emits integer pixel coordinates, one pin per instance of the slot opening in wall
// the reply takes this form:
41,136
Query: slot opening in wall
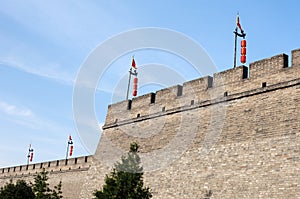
163,109
20,168
192,102
225,94
245,72
14,169
27,167
2,170
41,165
57,162
152,98
264,84
179,90
33,166
210,82
66,162
285,61
129,105
138,115
8,170
49,164
86,159
75,161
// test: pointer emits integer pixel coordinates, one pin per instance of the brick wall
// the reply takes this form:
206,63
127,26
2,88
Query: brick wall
235,134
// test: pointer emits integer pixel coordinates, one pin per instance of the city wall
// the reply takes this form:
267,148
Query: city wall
236,133
71,172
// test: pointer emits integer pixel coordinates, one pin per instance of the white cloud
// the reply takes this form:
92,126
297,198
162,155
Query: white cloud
50,71
23,116
14,110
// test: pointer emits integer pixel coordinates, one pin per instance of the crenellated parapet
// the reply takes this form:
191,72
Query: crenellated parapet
234,75
262,73
296,57
56,166
268,66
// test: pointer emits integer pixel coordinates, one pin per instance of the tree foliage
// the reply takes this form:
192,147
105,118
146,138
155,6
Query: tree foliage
20,190
38,190
126,179
42,190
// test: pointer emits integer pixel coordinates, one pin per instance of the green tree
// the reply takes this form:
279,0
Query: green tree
39,190
56,192
19,190
42,190
126,179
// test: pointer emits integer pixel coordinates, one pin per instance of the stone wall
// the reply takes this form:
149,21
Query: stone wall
236,133
71,172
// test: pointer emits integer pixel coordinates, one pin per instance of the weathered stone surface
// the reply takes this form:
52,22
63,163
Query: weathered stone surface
236,135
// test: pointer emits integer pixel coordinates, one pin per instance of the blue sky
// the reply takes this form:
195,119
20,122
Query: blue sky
44,44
